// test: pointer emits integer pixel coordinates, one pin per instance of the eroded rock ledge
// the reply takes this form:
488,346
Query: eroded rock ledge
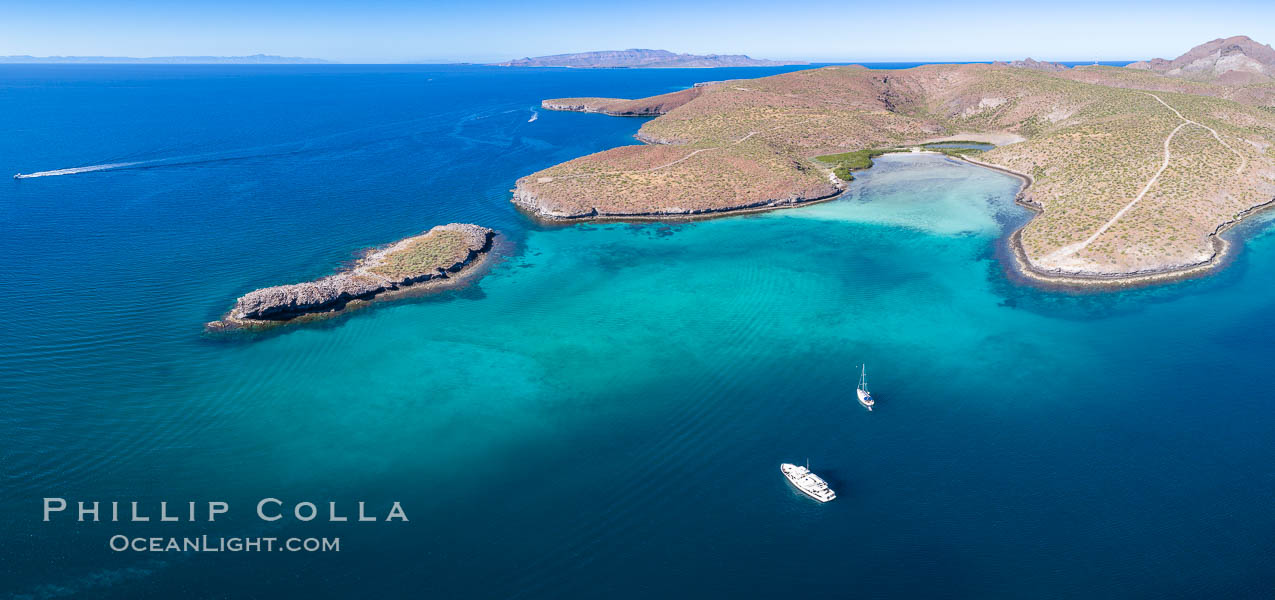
553,208
622,107
437,258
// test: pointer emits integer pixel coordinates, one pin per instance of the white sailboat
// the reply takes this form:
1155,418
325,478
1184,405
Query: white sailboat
865,398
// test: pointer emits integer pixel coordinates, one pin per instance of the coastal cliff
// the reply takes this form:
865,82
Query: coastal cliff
622,107
553,207
435,258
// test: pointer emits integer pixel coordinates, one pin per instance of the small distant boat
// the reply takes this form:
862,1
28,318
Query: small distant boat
17,175
809,483
865,398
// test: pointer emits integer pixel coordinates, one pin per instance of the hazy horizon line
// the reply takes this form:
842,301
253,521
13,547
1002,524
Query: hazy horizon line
282,59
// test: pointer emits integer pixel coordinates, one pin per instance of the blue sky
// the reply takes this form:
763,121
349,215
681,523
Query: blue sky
489,30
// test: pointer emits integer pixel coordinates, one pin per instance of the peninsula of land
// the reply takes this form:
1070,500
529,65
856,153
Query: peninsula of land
621,107
640,58
1134,173
443,257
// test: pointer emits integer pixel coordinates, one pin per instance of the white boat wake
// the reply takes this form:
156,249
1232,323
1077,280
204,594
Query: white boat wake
74,170
337,142
175,161
534,115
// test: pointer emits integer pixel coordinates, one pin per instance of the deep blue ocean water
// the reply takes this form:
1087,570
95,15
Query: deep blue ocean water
604,414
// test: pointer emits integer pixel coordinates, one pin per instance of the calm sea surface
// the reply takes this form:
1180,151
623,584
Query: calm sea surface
604,414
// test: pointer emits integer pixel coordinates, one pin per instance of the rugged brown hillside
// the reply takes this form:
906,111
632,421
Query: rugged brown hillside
1133,179
1235,60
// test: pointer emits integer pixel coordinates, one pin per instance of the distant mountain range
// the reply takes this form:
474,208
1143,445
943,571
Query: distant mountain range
637,58
1235,60
255,59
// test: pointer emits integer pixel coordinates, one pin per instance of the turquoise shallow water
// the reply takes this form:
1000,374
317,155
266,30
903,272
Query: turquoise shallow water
605,412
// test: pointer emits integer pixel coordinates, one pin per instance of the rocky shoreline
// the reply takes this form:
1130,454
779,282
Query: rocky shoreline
1223,251
1024,267
586,105
623,107
443,257
528,202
